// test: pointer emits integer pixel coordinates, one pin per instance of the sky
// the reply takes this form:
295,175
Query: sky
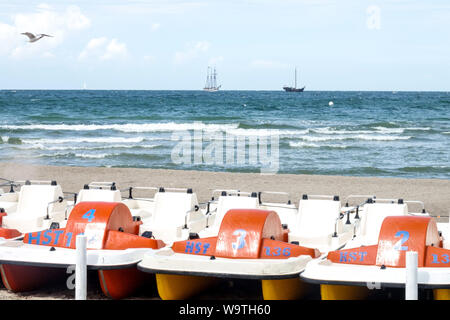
254,44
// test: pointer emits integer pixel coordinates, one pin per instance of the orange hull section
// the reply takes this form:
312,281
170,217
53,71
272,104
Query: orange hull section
26,278
121,283
9,233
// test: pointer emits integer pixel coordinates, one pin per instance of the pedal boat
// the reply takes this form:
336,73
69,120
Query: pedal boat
141,208
250,243
114,249
375,258
35,207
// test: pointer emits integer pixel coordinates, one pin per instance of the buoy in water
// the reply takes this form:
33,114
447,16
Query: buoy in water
330,103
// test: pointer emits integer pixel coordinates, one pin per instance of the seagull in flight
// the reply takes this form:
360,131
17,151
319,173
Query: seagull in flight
34,38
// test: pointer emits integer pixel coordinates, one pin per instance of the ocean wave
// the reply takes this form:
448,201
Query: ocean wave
40,146
128,127
355,137
265,132
301,144
378,129
10,140
85,140
92,156
389,130
418,128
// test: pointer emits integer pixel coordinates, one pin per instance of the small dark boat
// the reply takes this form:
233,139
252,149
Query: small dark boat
294,88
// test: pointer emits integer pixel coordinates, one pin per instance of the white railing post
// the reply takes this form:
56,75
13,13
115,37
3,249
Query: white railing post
411,287
81,268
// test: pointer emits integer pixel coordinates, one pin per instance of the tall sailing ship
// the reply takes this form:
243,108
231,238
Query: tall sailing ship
211,80
294,88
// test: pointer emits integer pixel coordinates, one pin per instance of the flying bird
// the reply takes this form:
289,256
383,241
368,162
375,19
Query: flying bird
34,38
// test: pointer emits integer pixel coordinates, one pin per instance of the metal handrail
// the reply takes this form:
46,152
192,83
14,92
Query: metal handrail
101,183
67,209
369,196
75,195
35,181
130,191
342,214
195,209
60,199
321,196
9,183
231,192
274,193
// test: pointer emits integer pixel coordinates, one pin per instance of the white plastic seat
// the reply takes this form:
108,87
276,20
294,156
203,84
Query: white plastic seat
316,222
286,212
105,195
32,204
9,201
141,208
170,215
374,214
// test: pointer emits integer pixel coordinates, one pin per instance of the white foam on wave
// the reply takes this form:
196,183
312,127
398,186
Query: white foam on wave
85,139
301,144
365,137
389,130
41,146
328,130
418,128
380,130
127,127
92,156
265,132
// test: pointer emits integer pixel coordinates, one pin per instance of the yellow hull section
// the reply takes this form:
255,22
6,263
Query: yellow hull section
341,292
441,294
179,287
285,289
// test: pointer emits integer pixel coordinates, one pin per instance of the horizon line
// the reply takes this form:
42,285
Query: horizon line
229,90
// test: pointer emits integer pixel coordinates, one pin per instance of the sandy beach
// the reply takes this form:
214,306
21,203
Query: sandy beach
433,192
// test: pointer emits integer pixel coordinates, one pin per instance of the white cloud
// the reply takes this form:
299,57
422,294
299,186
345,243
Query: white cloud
149,58
155,26
75,20
215,60
268,64
154,6
193,50
104,49
44,19
115,49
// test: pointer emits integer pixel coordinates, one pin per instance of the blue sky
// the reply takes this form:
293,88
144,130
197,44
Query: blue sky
255,44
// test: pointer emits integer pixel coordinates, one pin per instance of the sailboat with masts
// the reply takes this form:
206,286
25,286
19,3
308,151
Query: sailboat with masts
211,80
294,88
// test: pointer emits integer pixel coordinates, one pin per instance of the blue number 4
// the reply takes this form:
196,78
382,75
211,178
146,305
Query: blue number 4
89,215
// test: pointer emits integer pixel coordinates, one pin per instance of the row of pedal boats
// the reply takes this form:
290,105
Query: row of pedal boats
165,235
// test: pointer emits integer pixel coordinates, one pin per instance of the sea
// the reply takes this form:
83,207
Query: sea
351,133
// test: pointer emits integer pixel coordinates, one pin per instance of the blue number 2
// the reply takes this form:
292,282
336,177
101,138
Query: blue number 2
398,244
89,215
